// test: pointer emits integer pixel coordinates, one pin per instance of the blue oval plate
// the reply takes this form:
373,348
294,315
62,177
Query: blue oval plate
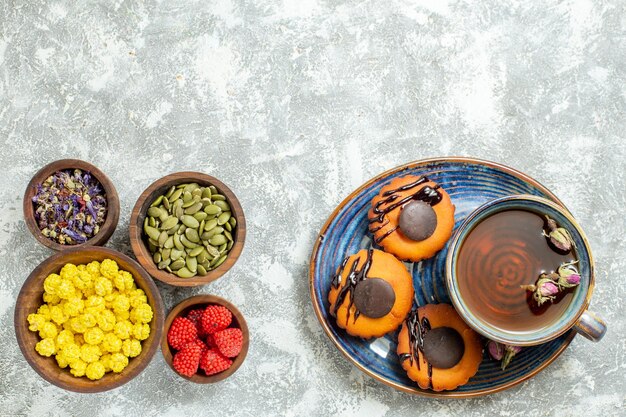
470,183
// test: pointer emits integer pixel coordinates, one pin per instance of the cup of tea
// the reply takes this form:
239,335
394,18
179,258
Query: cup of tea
519,271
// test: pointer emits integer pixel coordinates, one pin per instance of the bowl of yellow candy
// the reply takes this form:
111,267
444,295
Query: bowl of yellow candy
88,319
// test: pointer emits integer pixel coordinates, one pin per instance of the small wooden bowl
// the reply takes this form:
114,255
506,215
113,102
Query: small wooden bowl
202,301
113,203
31,297
159,187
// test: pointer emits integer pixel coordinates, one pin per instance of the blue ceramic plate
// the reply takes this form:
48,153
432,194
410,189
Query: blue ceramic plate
470,183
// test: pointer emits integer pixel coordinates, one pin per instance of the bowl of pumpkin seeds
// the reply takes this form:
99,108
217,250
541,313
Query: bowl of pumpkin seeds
187,229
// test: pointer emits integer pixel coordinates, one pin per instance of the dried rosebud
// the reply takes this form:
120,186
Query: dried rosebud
496,350
544,290
509,353
568,275
559,237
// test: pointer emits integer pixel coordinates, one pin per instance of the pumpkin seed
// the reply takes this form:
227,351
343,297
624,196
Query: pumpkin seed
205,201
213,251
153,248
165,253
218,261
228,235
176,254
218,197
233,221
145,222
193,208
212,209
228,227
178,243
169,242
156,202
217,240
170,192
190,221
168,223
222,247
152,222
213,189
156,257
178,212
223,218
230,245
152,233
201,215
187,197
177,264
189,188
162,238
163,264
181,229
192,235
223,205
154,211
206,193
187,242
202,256
166,204
201,228
215,231
175,195
167,268
197,193
210,224
192,263
196,251
201,270
185,273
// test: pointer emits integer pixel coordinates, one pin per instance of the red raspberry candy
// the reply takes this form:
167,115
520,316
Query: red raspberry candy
196,318
187,359
216,318
181,331
229,342
214,362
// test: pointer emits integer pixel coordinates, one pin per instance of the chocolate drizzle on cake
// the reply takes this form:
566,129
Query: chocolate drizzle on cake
354,277
427,194
417,330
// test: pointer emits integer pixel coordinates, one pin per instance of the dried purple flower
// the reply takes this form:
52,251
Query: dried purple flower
502,352
509,353
568,275
496,350
559,237
543,290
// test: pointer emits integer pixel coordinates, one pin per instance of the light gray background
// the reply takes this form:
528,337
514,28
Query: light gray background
294,104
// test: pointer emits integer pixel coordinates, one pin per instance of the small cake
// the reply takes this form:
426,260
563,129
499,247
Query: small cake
437,349
371,293
412,218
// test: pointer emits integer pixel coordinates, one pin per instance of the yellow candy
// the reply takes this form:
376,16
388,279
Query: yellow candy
137,297
69,272
90,353
65,338
77,325
120,304
65,289
103,286
78,368
51,283
141,314
44,310
36,321
83,280
93,268
111,343
95,371
122,316
94,304
88,292
48,330
57,315
94,336
141,331
51,299
61,360
131,348
109,268
87,320
124,281
105,360
73,306
45,347
123,329
118,362
106,320
71,352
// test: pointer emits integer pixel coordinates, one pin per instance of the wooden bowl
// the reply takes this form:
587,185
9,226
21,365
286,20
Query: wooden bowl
31,297
138,241
113,203
201,301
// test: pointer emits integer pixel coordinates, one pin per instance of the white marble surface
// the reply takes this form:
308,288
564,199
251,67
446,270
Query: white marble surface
294,104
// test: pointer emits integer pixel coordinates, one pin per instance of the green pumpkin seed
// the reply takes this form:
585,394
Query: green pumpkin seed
191,202
166,204
197,193
176,254
222,247
178,212
212,209
233,221
187,197
202,256
189,188
201,228
165,253
196,251
169,222
152,222
201,270
153,233
156,257
223,218
201,215
154,212
153,248
190,221
228,227
164,215
181,229
223,205
230,245
192,235
175,195
192,263
217,240
213,251
210,224
193,208
145,222
218,197
213,189
162,238
185,273
169,242
177,264
206,193
168,269
187,242
228,235
215,231
163,264
218,261
178,243
170,192
156,202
